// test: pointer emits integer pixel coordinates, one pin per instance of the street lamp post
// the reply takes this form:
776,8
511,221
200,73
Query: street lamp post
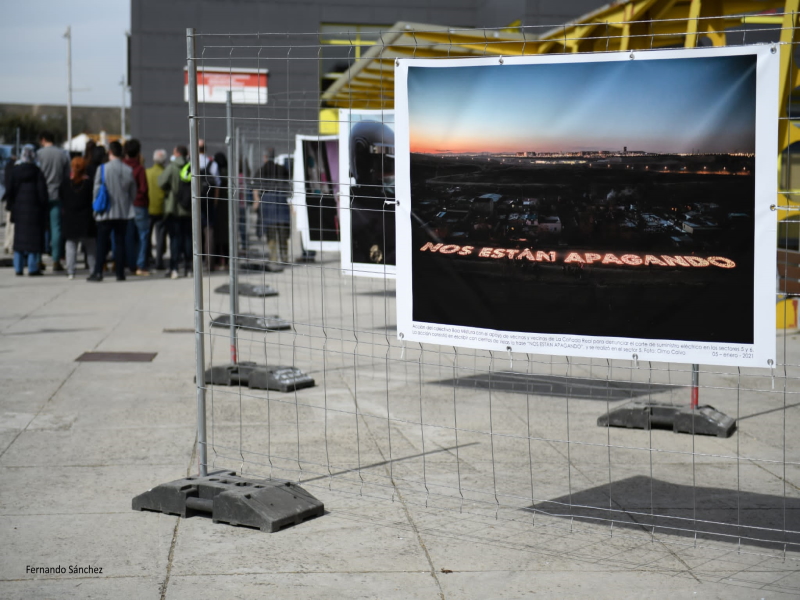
68,36
122,109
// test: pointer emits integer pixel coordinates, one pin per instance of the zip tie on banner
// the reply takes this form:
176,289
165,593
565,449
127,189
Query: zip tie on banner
403,350
510,359
636,361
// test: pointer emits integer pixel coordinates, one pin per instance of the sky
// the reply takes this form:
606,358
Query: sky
34,52
680,105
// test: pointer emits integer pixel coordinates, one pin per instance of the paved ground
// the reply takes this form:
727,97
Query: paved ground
429,515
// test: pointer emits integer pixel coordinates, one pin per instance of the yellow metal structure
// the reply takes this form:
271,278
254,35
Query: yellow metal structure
631,25
787,314
619,26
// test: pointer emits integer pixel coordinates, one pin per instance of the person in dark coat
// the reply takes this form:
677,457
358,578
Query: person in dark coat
27,201
79,224
270,201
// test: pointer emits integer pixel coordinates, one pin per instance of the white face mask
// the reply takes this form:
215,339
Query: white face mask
172,158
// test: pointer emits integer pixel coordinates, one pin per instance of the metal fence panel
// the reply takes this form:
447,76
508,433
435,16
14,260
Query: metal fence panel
503,434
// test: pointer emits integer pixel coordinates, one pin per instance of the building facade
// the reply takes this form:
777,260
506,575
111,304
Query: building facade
303,44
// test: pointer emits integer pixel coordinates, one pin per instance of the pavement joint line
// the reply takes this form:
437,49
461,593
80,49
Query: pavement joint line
781,578
723,557
41,408
33,310
67,378
174,542
762,467
757,584
498,543
644,565
561,533
413,526
740,571
627,550
660,542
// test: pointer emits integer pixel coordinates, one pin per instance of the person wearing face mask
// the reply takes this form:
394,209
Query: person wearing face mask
178,217
155,207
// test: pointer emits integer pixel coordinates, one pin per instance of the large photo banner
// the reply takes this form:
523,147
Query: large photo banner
366,198
315,191
614,206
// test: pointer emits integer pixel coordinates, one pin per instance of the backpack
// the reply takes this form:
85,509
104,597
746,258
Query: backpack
101,201
185,188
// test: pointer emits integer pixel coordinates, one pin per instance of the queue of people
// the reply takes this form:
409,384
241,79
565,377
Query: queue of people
51,207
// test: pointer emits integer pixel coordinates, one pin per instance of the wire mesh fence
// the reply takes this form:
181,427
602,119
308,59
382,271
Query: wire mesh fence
507,434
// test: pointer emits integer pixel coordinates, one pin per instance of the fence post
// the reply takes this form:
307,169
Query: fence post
695,386
197,241
232,230
235,248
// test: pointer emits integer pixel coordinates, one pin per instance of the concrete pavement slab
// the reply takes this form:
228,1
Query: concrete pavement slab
75,490
312,586
99,588
90,447
114,542
325,544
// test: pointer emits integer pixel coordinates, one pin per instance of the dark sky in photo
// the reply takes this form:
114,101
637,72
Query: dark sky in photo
661,105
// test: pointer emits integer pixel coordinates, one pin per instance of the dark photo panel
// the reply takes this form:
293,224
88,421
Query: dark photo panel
372,215
598,198
323,219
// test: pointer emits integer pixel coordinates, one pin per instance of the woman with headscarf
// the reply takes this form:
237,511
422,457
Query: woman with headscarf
27,201
79,225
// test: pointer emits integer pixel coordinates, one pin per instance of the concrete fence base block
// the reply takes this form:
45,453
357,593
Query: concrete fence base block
639,414
268,505
249,289
246,373
267,323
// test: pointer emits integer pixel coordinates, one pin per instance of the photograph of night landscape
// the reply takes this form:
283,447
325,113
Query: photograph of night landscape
596,198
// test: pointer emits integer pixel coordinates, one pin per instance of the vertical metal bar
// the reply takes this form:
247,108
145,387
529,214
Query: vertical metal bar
235,248
695,386
232,243
197,232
